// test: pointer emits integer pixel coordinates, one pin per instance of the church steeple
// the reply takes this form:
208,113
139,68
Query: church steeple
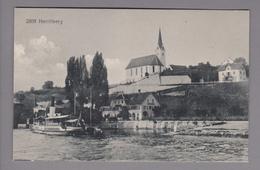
160,43
160,51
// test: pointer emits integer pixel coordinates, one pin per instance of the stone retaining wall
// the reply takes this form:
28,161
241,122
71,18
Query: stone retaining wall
147,124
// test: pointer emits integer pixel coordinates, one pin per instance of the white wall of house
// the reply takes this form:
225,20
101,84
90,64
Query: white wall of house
237,75
147,106
165,80
111,113
137,73
136,114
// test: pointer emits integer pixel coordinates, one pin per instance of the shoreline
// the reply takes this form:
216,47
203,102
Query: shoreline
193,128
232,129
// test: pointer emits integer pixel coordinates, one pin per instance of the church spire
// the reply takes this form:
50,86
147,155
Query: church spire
160,51
160,43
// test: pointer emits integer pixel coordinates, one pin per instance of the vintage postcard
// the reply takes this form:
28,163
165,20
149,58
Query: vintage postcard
131,85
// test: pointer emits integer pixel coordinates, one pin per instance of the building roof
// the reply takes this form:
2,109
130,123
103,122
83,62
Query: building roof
136,99
178,67
132,99
234,66
144,61
175,70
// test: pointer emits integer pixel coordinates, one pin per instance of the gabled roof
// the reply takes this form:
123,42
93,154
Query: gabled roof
144,61
136,99
133,99
234,66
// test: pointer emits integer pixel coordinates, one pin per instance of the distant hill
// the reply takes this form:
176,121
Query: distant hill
28,98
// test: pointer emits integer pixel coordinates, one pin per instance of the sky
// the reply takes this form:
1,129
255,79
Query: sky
41,50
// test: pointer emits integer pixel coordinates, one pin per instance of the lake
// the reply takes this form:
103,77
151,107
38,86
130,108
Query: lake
140,145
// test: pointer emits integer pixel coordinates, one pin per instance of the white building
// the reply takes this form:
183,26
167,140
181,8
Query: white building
140,105
141,67
230,71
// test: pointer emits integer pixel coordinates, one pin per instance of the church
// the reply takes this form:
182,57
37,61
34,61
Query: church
141,67
146,74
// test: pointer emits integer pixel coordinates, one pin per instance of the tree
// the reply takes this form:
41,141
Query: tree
99,82
242,61
207,72
47,85
20,96
77,81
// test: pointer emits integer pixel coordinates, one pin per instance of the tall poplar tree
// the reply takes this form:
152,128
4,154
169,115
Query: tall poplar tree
77,81
99,82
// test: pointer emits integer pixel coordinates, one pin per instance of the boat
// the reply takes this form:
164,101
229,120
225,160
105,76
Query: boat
56,124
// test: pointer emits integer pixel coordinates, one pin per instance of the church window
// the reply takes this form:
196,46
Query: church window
136,71
141,71
153,69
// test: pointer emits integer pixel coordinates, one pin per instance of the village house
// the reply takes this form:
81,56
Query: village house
230,71
140,105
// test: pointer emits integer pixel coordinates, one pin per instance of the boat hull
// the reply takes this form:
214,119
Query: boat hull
56,130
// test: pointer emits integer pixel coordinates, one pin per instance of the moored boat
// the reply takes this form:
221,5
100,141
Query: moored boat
57,125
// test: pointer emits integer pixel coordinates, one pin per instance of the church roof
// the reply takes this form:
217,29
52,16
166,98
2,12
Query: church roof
144,61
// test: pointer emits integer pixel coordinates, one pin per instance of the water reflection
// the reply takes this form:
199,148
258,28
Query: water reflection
139,145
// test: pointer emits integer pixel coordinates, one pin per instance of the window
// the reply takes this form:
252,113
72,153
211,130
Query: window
141,71
234,72
152,101
131,72
153,69
136,71
146,69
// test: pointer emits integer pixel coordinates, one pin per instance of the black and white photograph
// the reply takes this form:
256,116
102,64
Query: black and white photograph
143,85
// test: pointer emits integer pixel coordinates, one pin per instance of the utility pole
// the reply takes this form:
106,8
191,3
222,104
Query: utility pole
75,95
91,105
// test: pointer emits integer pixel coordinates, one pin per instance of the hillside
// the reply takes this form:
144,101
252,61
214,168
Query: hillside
208,101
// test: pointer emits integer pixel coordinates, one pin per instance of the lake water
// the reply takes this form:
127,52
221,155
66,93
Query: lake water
141,145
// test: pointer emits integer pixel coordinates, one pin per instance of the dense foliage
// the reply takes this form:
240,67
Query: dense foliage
46,85
225,101
99,82
77,81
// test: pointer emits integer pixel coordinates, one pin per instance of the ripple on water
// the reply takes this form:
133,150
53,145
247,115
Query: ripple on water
128,146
